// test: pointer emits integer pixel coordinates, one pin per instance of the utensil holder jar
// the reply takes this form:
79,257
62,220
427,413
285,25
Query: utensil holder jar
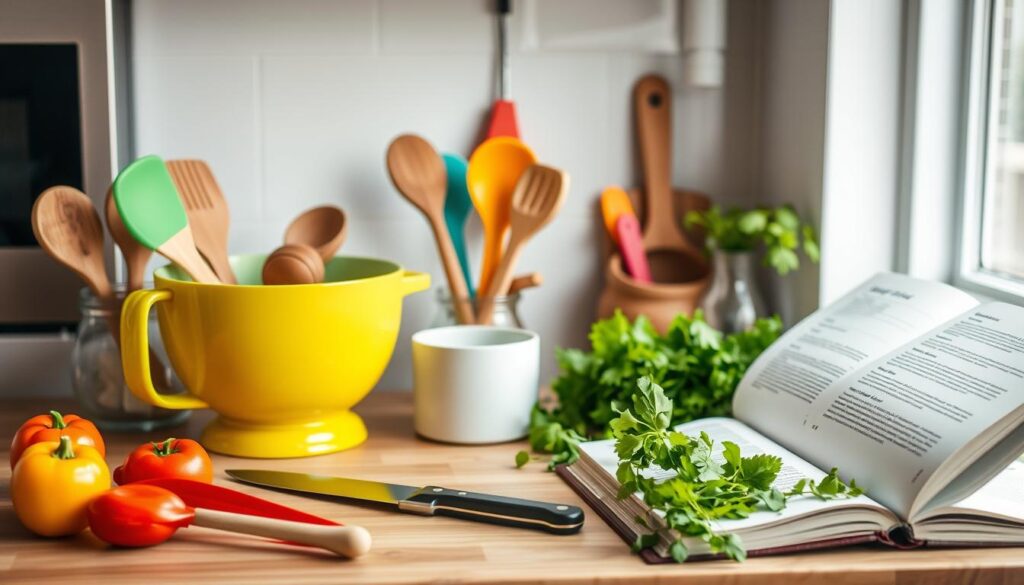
506,311
98,377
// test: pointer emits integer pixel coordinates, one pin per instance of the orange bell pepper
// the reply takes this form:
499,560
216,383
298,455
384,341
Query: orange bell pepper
53,484
50,427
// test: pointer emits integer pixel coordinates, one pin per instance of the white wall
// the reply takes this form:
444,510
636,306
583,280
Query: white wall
293,104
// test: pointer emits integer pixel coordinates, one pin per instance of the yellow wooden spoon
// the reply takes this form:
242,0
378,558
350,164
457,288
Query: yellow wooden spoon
494,169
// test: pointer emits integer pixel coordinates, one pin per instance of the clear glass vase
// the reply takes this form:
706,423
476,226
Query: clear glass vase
733,301
506,311
97,376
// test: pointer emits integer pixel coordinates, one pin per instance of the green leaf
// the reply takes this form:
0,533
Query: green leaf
731,452
760,470
733,548
645,541
522,458
752,222
678,551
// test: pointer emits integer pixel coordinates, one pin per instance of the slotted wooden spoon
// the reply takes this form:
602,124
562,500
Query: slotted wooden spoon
538,196
419,174
207,212
149,204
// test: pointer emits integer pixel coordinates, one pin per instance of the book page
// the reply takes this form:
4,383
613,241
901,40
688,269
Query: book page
892,424
885,312
1001,497
751,443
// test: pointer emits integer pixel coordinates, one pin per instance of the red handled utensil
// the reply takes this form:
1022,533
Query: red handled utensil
631,244
140,514
504,121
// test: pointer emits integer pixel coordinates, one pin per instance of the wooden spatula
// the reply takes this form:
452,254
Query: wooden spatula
207,212
151,209
420,176
136,256
67,226
538,196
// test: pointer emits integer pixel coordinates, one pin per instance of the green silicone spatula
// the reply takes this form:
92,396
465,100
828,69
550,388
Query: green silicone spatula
151,209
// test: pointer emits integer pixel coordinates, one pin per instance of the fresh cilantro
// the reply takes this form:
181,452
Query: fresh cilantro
698,368
704,487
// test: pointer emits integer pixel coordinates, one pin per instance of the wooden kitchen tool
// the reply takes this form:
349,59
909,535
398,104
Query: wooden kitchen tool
672,258
457,207
207,212
418,173
494,170
519,283
151,209
144,515
293,264
136,256
322,228
538,196
614,203
68,228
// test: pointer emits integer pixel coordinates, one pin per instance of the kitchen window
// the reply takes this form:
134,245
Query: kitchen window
991,255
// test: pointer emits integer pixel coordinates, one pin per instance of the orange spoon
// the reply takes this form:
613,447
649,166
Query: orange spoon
494,170
614,203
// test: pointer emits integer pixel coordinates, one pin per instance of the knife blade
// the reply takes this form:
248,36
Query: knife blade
428,500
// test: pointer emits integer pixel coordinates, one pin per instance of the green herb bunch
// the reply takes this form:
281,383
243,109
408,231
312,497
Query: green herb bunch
697,366
703,488
779,230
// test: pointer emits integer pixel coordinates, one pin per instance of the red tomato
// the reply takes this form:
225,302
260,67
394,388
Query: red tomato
137,515
182,458
47,428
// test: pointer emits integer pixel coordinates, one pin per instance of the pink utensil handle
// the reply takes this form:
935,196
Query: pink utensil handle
632,247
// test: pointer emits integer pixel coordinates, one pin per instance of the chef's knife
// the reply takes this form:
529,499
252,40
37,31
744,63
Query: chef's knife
429,500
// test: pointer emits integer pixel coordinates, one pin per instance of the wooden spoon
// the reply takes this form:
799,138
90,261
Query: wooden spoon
524,282
151,209
321,228
136,256
418,173
67,226
672,257
207,212
538,196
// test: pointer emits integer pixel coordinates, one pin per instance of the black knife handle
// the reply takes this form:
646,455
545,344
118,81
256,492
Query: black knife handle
553,518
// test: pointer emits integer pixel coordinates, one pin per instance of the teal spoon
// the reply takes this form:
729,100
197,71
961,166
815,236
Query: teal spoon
151,209
457,207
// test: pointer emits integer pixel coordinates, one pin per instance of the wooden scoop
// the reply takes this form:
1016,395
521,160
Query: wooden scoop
149,204
321,228
419,174
136,256
519,283
67,226
538,196
672,258
207,212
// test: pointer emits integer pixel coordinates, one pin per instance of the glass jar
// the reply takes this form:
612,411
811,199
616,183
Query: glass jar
733,301
506,311
97,376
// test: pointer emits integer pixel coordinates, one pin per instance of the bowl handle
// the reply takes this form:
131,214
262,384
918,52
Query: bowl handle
135,352
414,282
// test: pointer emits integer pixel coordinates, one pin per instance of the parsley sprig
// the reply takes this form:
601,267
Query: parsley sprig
704,488
698,367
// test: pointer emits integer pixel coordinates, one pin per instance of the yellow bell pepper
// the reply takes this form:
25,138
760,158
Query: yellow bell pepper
54,482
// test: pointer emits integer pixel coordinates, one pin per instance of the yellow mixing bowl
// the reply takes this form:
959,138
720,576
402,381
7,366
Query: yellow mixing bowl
281,365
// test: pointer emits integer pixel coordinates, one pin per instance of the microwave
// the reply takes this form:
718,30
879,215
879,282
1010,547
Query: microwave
63,121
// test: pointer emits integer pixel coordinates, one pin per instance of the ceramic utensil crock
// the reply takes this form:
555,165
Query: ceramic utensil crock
281,365
474,384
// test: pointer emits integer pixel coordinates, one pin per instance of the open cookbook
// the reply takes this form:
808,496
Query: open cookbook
910,387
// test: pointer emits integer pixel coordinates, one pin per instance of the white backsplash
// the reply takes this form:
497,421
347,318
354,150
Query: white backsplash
293,104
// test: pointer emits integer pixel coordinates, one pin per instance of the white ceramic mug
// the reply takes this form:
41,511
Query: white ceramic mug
474,383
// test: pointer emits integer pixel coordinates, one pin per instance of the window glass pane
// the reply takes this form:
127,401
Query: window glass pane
1002,234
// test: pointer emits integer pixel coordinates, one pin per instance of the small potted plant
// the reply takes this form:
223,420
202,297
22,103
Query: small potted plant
733,238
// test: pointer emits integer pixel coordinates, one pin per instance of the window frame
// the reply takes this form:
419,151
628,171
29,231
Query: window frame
976,175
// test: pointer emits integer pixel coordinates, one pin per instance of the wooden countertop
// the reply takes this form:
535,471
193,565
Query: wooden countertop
413,549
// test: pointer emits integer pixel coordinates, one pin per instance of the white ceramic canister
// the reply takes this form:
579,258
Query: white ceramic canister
474,383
